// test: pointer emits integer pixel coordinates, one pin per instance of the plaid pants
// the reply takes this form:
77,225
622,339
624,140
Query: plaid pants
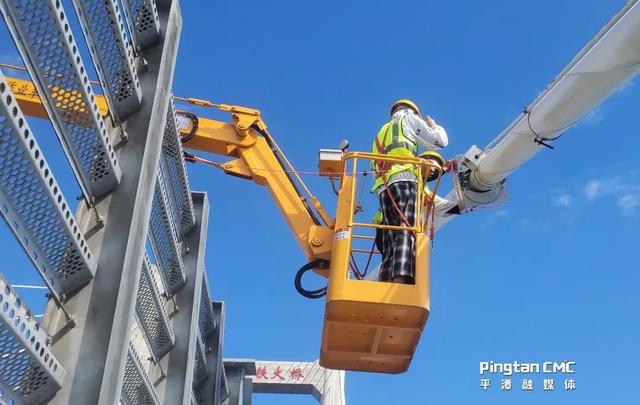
398,247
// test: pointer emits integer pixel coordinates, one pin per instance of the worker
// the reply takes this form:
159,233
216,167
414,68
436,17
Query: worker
396,184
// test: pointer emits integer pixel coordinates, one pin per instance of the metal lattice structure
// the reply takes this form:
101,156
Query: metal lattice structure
94,261
28,370
144,23
40,29
151,311
103,27
199,363
136,387
206,322
164,238
173,164
32,204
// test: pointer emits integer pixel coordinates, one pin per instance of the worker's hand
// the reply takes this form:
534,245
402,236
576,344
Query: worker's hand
449,166
431,123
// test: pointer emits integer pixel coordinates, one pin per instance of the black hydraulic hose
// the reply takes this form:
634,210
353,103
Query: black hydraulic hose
194,127
313,294
333,186
312,213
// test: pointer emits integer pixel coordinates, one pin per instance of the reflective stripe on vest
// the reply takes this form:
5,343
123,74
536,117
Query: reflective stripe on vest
398,132
398,139
398,145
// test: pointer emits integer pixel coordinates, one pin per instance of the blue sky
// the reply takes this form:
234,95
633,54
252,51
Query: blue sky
552,275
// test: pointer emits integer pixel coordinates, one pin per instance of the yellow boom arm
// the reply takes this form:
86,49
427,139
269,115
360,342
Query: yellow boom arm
256,158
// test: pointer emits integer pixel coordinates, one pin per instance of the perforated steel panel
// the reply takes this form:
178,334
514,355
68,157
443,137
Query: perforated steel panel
199,363
173,165
144,22
28,371
153,315
205,313
164,239
33,206
136,387
42,34
112,55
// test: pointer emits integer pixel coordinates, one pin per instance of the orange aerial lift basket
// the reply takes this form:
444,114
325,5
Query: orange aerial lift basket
370,325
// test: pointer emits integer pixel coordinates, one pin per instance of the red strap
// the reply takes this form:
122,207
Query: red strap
381,167
395,205
379,147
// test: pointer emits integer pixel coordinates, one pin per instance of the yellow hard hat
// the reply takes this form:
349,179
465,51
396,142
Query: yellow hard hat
430,173
431,155
405,102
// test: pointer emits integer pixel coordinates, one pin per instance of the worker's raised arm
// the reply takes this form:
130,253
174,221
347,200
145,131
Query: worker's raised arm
431,137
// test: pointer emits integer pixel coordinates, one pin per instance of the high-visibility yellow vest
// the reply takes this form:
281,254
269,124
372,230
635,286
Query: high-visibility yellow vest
392,141
378,219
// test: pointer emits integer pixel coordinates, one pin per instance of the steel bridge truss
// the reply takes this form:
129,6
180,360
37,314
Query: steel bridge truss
129,319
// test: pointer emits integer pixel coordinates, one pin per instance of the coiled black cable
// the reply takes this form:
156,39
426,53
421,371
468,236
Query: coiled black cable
313,294
194,127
